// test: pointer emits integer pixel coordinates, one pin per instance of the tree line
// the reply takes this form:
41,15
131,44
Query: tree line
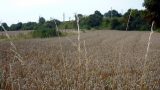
138,20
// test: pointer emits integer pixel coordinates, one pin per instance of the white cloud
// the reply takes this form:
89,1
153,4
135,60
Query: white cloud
34,3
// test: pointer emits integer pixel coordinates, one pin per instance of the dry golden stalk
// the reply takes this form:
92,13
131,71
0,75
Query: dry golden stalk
78,38
61,48
149,42
129,20
146,54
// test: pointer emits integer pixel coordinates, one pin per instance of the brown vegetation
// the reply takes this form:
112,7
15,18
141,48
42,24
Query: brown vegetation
109,60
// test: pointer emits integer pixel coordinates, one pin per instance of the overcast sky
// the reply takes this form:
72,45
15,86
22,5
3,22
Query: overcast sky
13,11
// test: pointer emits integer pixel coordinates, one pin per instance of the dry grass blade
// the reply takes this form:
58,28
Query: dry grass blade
62,54
78,38
129,20
149,42
146,54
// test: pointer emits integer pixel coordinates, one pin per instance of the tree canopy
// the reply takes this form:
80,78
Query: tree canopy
112,13
1,28
153,7
95,19
42,20
29,26
17,26
98,21
5,26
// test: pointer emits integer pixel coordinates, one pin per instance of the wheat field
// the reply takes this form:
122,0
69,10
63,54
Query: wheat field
107,60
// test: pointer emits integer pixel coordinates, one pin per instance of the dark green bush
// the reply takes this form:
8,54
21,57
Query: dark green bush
45,33
115,24
158,30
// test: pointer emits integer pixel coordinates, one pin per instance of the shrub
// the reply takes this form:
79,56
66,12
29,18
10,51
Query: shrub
158,30
115,24
45,33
